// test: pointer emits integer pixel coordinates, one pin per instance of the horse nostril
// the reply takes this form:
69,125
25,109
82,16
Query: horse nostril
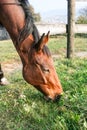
57,98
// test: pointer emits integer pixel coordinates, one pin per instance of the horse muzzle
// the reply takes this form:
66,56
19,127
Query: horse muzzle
56,99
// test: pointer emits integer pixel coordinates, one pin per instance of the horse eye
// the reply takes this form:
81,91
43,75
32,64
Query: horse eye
46,70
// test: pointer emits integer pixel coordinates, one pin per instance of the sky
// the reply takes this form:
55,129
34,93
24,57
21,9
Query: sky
47,5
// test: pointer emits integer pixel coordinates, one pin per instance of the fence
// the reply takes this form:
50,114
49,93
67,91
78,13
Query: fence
60,28
53,28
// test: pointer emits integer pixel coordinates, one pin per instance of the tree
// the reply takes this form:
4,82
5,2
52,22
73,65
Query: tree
36,16
82,19
84,12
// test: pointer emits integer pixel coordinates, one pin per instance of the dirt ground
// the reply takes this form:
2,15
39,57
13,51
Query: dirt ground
78,54
10,67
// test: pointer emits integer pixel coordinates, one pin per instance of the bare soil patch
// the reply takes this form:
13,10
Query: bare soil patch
10,67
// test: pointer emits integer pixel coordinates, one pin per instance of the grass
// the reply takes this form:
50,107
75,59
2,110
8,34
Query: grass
8,52
22,107
58,44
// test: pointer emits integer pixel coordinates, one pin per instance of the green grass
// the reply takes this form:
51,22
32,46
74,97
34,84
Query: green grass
58,45
22,107
81,43
8,52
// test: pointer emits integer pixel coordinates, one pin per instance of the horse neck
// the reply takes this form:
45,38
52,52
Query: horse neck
13,19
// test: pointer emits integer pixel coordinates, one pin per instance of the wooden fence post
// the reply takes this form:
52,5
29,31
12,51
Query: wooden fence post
71,28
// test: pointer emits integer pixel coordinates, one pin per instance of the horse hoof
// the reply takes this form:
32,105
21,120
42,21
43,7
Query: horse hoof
4,81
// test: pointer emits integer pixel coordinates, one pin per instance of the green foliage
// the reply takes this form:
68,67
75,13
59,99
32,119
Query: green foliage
81,20
36,16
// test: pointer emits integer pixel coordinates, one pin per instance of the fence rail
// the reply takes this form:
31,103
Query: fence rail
60,28
53,28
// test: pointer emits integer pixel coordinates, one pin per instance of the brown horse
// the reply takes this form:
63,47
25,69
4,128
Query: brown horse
38,68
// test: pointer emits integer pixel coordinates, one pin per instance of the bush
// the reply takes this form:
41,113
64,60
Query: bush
36,16
81,20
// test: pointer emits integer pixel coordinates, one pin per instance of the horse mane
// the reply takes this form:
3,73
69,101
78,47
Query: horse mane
30,27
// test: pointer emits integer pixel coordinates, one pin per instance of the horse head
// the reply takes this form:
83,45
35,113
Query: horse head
39,70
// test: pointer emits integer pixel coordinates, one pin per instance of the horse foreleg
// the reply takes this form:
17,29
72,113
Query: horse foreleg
3,80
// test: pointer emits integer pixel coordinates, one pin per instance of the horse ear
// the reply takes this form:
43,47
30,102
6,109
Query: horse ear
44,39
38,46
